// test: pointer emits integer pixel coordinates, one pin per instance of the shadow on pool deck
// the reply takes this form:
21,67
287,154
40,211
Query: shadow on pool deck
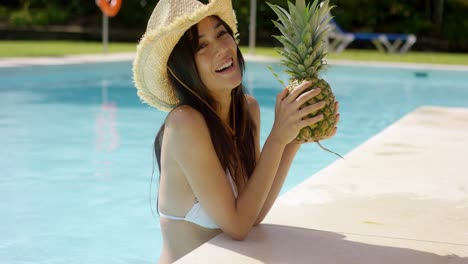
285,244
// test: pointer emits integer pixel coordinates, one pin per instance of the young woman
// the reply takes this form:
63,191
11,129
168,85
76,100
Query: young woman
213,176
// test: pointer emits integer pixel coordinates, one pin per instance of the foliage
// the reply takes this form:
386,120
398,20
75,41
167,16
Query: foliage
4,13
47,12
33,14
396,16
20,18
393,16
135,13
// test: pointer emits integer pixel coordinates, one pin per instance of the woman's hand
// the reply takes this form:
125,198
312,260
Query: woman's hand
337,118
290,118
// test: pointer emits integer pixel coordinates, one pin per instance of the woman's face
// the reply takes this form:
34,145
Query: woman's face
216,57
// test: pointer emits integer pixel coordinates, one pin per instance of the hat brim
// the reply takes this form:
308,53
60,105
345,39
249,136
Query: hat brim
153,51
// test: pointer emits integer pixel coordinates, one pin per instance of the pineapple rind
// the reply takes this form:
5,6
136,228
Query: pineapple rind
323,129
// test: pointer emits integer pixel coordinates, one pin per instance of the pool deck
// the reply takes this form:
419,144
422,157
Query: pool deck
400,197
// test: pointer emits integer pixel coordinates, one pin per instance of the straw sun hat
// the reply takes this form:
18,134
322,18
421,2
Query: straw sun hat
167,24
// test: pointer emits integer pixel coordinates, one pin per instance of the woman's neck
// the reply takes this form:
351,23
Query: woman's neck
224,106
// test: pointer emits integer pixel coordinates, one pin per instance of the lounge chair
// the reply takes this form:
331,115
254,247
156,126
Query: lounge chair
339,40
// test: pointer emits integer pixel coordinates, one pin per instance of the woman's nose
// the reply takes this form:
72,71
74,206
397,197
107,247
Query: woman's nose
220,49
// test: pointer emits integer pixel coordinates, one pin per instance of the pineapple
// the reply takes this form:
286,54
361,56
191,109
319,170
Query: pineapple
304,31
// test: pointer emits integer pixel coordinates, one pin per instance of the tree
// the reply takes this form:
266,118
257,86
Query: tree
439,12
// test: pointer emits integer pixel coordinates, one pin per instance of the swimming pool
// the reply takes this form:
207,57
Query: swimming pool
76,151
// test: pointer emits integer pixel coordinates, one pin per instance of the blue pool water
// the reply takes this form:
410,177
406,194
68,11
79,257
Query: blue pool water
76,151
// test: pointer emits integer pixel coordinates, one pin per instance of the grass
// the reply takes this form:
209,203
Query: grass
63,48
58,48
374,55
412,56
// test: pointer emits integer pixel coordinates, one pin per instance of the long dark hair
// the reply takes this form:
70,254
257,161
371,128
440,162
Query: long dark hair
235,154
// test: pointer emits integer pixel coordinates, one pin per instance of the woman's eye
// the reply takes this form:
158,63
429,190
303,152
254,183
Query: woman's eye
222,33
201,46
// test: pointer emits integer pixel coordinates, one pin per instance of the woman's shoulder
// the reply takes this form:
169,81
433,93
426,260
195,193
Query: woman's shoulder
252,102
186,134
185,117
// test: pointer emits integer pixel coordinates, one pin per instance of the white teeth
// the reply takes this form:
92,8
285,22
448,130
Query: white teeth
224,66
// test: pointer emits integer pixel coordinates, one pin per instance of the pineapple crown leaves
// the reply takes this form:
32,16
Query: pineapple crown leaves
304,29
276,76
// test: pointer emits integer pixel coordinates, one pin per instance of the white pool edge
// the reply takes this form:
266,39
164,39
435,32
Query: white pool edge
129,56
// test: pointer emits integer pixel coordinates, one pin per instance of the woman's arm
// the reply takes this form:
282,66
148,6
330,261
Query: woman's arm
286,160
187,135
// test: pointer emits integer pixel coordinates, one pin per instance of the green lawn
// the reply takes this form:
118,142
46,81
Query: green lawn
58,48
62,48
374,55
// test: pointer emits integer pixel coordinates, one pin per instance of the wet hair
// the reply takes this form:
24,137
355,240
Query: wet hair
235,154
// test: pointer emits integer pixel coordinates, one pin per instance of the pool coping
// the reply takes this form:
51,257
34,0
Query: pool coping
129,56
366,210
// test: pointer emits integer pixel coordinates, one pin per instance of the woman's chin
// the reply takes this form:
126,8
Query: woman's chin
237,80
235,85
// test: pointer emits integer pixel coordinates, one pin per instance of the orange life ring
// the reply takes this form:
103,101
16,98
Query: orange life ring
110,8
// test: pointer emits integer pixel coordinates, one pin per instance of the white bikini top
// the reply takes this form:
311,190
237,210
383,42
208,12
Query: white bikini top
197,214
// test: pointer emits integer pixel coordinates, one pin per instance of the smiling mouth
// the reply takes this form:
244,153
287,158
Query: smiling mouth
225,66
